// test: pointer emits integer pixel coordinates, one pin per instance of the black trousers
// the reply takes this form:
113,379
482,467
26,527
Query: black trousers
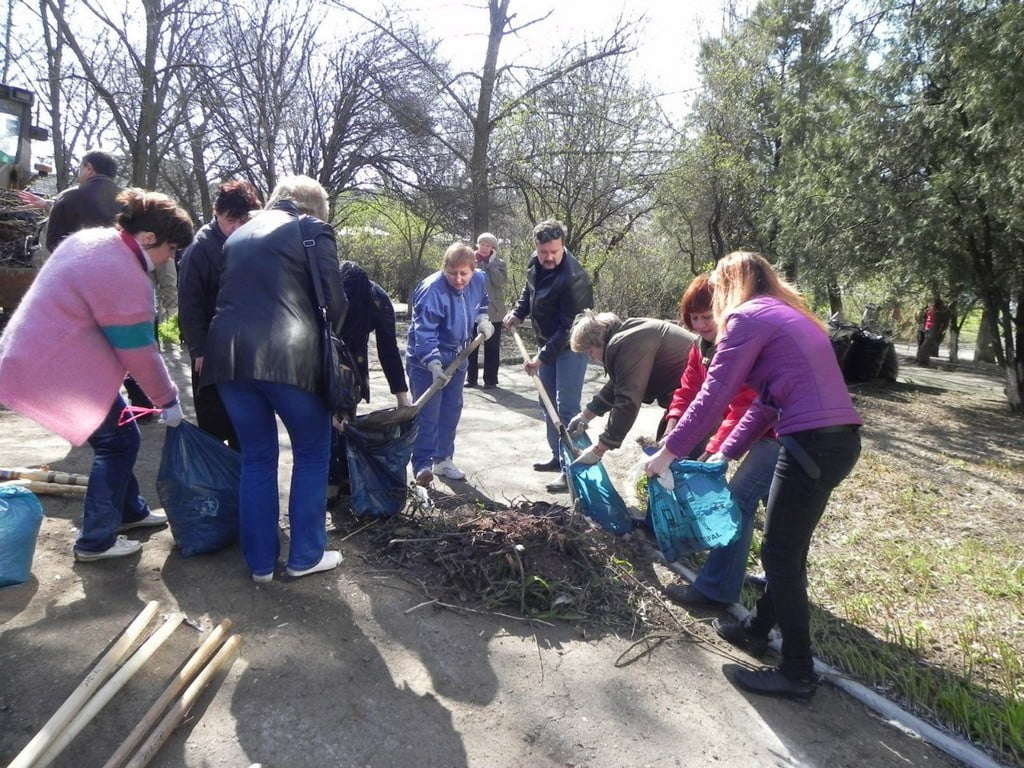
796,502
492,359
211,415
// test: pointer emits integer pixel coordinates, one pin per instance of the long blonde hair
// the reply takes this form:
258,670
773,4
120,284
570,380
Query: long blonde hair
742,275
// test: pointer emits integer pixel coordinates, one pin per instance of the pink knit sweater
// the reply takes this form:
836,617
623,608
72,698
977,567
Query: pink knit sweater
84,323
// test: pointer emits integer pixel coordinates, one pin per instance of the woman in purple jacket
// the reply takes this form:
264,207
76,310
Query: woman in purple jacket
771,341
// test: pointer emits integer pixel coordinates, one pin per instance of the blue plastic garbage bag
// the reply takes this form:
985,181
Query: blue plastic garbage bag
377,459
698,514
597,496
198,483
21,514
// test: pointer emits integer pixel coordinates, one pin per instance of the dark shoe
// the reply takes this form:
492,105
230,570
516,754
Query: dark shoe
687,595
490,386
559,486
769,681
470,384
548,466
736,633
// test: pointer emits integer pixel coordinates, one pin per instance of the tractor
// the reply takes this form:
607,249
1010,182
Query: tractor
18,222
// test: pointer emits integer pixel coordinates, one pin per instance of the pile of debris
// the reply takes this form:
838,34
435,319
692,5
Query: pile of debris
536,560
19,223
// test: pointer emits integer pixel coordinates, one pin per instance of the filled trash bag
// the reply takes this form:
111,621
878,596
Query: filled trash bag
593,488
698,514
377,459
198,483
21,514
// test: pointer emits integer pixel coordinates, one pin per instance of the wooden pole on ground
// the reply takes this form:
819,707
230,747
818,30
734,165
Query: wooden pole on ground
43,475
112,686
181,707
183,678
104,667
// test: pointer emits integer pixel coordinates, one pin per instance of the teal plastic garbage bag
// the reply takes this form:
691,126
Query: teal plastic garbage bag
698,514
593,488
21,514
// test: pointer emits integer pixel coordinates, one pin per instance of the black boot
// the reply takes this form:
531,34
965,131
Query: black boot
770,681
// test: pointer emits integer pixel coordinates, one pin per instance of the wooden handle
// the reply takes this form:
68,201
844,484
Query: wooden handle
104,667
181,707
112,686
183,678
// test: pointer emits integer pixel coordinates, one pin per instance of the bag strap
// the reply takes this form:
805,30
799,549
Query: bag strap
314,271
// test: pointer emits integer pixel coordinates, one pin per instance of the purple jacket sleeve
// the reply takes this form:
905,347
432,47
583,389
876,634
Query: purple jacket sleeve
738,349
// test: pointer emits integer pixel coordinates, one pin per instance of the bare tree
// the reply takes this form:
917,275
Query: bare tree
471,97
589,149
134,79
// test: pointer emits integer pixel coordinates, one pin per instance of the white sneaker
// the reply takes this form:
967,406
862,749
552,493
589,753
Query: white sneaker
263,578
330,559
152,520
447,468
122,547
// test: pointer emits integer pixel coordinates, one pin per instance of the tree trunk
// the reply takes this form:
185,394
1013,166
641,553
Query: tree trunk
984,345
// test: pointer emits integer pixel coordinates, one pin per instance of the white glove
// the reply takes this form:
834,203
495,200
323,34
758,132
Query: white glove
403,399
172,415
717,458
511,321
578,425
485,326
659,463
589,457
437,371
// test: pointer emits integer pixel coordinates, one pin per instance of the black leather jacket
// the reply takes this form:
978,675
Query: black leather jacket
553,298
198,283
266,326
92,204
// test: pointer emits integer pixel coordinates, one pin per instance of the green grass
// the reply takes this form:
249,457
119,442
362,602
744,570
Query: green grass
169,332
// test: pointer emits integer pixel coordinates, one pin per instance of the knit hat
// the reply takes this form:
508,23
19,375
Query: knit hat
488,238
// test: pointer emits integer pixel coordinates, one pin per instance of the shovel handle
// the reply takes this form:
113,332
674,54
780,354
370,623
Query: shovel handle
545,398
452,367
408,412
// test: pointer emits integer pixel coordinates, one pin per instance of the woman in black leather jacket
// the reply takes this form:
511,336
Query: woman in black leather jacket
263,354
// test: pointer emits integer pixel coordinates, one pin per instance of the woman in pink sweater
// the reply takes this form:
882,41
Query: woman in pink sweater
86,321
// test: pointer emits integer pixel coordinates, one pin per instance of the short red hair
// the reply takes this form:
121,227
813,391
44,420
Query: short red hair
696,299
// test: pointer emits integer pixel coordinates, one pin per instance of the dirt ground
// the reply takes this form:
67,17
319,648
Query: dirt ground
357,667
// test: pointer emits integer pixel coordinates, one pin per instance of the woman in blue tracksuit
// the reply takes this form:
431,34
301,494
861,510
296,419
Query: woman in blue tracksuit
445,307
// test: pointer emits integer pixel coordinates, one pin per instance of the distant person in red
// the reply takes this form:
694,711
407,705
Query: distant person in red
927,322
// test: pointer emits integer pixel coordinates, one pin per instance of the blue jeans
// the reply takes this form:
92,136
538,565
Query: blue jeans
563,381
439,417
722,576
795,505
112,498
252,406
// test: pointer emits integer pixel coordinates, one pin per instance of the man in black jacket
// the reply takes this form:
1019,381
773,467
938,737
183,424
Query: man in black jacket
557,289
198,282
93,203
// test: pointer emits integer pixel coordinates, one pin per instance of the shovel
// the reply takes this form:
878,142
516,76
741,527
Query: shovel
563,433
408,412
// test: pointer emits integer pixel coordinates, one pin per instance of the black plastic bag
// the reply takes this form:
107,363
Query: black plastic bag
198,484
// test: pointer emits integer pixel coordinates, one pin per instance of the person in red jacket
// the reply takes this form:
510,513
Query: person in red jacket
721,579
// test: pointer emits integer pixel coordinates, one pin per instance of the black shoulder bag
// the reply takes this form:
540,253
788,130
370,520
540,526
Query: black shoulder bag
342,386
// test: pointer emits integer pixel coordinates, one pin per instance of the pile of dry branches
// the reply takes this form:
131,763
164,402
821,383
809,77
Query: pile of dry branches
17,222
535,559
